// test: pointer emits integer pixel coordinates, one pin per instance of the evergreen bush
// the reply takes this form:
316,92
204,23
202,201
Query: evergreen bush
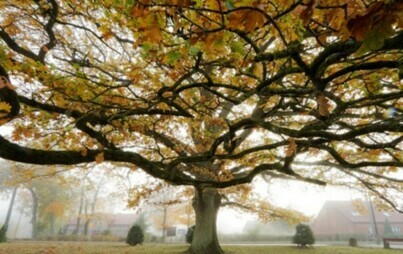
135,235
189,234
3,232
304,235
352,242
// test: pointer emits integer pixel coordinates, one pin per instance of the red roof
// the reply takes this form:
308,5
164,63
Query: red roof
359,212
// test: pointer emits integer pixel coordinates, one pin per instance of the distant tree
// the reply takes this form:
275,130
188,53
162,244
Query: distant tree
304,235
8,216
142,222
189,234
3,232
135,235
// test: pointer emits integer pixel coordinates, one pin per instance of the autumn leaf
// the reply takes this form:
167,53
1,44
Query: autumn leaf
5,107
5,83
55,208
374,39
139,11
152,33
373,26
106,32
323,105
99,158
306,12
247,20
84,151
291,148
180,3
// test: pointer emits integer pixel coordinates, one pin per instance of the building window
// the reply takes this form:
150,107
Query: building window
395,230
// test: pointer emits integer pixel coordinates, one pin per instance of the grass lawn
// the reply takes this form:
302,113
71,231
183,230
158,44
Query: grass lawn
113,248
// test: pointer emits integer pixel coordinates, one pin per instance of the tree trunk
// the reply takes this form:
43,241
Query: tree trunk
3,229
88,219
206,204
93,204
10,207
164,224
80,211
34,212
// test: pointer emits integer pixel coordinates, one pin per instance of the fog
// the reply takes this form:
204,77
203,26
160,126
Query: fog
299,196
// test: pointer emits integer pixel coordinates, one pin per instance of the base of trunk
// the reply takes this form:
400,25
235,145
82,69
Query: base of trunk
206,204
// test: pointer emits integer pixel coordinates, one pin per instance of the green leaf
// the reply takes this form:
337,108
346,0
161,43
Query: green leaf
193,51
375,39
229,4
237,47
173,56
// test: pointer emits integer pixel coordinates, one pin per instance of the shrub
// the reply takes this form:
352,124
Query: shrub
304,235
135,235
3,232
352,242
189,234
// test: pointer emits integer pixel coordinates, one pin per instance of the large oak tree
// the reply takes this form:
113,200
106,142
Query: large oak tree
208,93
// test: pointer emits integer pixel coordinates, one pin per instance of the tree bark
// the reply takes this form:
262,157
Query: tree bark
206,204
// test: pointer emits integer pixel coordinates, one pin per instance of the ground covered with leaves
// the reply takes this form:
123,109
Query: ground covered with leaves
117,248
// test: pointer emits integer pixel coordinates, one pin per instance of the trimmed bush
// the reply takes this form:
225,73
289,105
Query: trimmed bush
304,235
135,235
189,234
3,232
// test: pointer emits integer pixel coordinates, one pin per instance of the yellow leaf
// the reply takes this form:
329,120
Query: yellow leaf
4,106
152,32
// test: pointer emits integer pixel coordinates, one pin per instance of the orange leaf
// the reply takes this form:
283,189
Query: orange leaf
307,13
99,158
254,20
247,20
152,33
84,152
361,24
323,105
5,83
291,148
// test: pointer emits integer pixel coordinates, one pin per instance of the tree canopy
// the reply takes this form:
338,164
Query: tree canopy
208,93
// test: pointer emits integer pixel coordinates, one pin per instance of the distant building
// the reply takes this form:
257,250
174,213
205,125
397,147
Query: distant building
115,224
339,220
